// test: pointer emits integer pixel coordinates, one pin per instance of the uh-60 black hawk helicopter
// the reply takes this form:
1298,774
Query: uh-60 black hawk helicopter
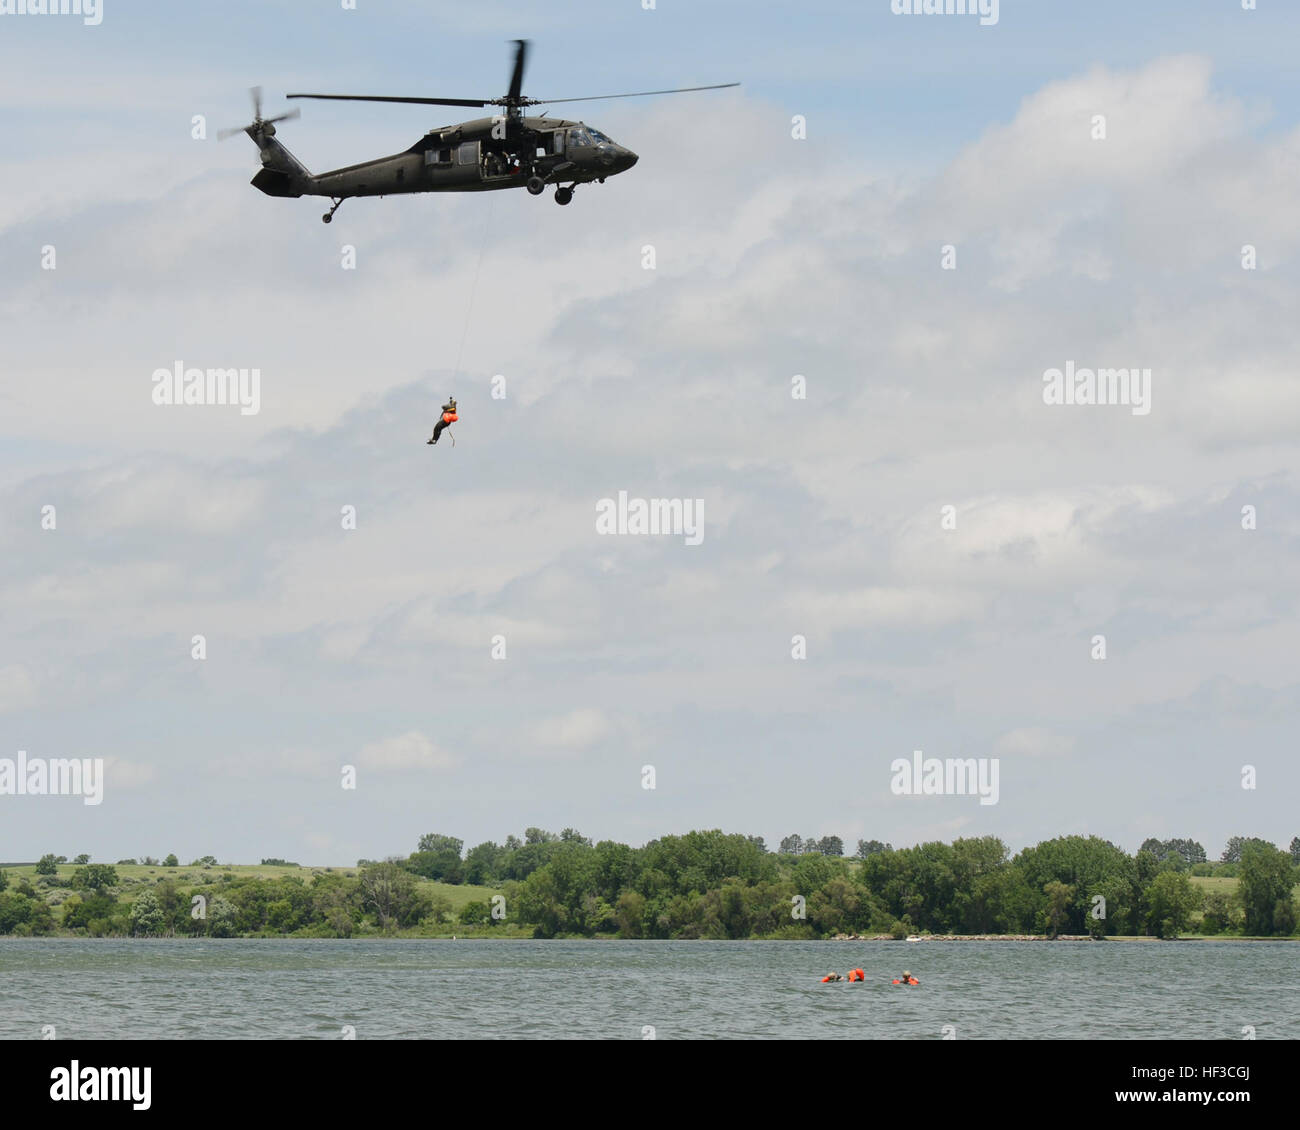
505,151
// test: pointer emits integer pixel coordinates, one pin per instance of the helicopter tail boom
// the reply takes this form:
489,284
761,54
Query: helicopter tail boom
281,174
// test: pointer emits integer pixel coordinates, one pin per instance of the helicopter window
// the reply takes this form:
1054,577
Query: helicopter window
557,142
468,153
598,136
437,156
579,137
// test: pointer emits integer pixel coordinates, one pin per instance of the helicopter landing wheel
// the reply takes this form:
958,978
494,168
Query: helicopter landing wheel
563,195
536,186
328,218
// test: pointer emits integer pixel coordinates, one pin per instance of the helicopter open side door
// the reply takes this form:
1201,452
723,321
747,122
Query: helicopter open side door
455,166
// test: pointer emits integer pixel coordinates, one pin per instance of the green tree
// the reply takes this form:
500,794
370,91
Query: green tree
1219,913
474,914
47,865
483,864
445,866
1090,865
629,913
390,893
1285,917
436,842
439,909
1264,879
146,915
171,861
1171,901
1232,852
223,917
95,877
1057,911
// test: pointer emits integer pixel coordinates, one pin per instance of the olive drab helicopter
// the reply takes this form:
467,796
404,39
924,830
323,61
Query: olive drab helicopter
508,150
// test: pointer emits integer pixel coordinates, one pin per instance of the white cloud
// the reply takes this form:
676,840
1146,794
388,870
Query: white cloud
575,731
1033,741
411,750
17,688
123,773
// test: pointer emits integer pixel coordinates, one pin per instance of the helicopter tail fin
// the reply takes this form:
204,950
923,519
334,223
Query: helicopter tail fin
281,174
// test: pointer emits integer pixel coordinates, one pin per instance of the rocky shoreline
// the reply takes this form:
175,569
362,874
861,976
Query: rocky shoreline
965,938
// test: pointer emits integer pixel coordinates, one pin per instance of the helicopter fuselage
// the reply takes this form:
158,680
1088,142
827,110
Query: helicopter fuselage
476,156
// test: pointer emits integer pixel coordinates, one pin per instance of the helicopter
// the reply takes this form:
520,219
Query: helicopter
508,150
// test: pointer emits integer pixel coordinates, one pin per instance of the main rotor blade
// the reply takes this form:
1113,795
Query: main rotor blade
517,79
639,94
387,98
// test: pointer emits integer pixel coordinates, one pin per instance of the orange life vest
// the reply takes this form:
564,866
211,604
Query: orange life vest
449,417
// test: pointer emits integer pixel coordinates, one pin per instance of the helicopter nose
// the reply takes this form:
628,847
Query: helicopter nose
627,160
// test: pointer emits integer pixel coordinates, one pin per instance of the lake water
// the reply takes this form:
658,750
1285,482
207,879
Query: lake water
280,989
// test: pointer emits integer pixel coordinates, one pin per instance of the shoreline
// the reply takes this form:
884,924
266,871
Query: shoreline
519,937
1058,938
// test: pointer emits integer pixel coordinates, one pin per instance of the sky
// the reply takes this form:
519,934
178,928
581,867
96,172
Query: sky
907,548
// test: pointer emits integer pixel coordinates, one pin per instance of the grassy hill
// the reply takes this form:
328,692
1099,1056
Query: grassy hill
208,879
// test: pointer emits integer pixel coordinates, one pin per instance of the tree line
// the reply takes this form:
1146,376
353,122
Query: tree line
704,884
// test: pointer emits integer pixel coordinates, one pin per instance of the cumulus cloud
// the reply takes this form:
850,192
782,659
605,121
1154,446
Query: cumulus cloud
572,732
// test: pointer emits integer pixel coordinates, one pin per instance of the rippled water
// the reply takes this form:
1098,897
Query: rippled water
279,989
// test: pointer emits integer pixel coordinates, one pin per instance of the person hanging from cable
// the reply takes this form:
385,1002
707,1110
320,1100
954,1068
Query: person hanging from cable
448,418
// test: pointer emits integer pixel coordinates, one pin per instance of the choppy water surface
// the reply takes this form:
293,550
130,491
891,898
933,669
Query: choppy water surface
280,989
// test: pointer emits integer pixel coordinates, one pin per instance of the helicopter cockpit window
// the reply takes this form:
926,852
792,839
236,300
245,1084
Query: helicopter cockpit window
579,137
598,137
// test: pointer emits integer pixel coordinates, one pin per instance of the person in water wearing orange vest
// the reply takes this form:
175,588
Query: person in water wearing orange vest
448,418
907,979
857,975
832,977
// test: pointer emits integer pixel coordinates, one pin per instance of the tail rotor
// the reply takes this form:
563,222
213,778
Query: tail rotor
260,127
